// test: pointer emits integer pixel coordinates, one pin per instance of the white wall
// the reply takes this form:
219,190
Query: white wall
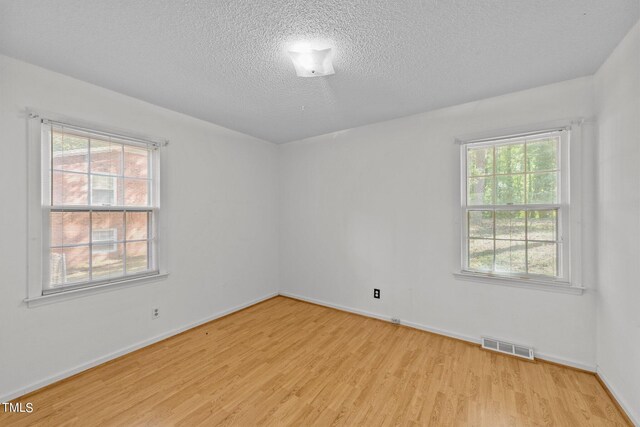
376,207
221,203
618,304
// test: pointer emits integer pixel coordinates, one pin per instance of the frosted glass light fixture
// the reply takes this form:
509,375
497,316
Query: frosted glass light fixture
312,62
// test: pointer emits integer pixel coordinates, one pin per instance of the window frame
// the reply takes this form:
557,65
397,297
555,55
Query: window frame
39,158
568,234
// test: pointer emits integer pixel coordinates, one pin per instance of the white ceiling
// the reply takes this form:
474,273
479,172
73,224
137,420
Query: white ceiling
226,61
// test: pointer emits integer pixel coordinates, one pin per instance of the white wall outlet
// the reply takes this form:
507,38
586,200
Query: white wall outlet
395,320
155,313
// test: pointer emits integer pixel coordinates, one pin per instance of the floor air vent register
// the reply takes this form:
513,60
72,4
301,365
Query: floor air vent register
507,348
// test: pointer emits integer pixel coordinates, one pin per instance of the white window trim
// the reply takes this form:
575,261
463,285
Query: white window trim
38,226
571,155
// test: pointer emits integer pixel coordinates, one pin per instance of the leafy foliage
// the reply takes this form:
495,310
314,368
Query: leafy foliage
66,142
521,172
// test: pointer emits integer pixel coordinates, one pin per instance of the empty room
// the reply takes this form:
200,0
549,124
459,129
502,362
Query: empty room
320,213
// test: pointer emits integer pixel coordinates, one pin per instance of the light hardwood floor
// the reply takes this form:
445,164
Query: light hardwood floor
286,362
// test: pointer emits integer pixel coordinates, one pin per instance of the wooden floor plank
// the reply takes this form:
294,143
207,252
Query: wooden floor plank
286,362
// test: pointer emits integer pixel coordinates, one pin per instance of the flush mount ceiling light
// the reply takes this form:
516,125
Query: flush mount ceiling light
312,62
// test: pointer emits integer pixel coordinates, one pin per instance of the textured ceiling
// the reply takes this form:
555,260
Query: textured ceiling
226,61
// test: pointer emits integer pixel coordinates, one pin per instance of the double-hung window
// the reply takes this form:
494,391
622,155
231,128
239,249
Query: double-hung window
99,207
515,206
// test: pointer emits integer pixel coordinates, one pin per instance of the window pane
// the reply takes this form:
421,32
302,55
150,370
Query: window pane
107,261
481,254
510,158
542,258
101,182
69,228
107,223
69,152
69,265
542,225
103,197
480,161
106,157
136,192
511,256
101,236
106,190
136,162
510,225
137,225
481,224
542,187
69,189
137,257
480,191
509,189
542,154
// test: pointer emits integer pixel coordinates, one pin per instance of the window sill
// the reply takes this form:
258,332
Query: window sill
82,292
521,282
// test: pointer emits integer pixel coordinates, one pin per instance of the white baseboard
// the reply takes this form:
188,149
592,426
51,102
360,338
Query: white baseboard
438,331
382,317
100,360
634,417
562,361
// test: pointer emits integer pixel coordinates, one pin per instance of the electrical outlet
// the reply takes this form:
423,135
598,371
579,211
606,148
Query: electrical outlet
376,293
395,320
155,313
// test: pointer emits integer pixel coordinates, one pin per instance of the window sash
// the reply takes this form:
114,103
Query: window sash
95,178
152,250
526,240
561,206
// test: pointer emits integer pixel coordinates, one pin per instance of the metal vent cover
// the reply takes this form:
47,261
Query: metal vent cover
507,348
490,344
